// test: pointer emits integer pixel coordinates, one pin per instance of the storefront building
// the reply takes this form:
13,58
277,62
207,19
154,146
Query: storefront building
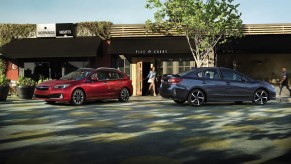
169,55
54,51
260,54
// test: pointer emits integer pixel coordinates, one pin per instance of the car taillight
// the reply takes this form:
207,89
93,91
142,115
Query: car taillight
175,80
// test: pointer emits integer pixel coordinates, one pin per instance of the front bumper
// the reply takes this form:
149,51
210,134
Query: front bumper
52,95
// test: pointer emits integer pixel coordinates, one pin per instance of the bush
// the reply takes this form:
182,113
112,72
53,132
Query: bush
24,81
4,81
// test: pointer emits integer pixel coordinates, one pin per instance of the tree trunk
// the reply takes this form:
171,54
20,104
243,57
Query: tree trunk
198,63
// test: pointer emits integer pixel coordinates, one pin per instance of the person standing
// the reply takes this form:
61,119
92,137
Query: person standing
151,79
284,81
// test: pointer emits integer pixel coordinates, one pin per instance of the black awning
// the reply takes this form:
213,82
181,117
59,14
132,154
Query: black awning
52,47
149,45
250,44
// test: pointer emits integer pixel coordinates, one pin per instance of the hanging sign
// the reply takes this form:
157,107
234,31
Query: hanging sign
46,30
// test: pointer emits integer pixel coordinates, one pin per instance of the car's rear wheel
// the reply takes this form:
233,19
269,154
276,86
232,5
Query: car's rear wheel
196,97
124,95
50,102
179,101
78,97
260,97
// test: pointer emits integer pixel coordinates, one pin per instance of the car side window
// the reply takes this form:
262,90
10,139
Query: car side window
100,76
230,75
94,76
112,75
200,74
120,75
211,74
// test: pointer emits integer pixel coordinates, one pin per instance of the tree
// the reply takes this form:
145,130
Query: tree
205,23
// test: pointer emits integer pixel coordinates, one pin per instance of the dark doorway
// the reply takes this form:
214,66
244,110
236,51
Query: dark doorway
56,69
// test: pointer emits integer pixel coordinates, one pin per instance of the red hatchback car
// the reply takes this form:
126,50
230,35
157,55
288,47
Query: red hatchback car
86,84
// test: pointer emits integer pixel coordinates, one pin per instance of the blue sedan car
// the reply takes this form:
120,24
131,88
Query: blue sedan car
207,84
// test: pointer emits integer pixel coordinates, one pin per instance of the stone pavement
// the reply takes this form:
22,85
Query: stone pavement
144,130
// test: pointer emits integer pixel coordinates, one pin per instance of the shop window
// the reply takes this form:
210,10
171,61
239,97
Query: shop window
124,65
184,66
167,67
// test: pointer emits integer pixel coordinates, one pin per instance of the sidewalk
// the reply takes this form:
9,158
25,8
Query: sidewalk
284,99
285,95
147,98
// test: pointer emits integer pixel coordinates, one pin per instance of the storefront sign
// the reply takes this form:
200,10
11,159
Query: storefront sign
46,30
65,30
151,51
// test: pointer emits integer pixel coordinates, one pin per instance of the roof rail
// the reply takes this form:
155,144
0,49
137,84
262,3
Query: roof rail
85,68
106,68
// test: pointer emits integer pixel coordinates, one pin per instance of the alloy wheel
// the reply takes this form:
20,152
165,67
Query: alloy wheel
260,97
78,97
124,95
196,97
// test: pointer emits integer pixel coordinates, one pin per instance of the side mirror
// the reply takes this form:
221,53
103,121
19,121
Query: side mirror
243,80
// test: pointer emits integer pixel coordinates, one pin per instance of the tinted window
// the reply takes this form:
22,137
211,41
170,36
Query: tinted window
76,75
230,75
210,74
113,75
200,74
120,75
101,75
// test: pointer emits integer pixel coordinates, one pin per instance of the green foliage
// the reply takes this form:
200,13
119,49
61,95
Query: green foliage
42,79
3,66
4,81
24,81
205,23
9,32
100,29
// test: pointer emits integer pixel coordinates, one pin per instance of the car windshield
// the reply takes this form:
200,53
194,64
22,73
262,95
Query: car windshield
76,75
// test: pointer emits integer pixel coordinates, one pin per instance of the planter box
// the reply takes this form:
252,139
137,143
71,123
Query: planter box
25,92
4,93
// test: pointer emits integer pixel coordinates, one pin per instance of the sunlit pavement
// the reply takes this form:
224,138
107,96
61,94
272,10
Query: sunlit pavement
144,130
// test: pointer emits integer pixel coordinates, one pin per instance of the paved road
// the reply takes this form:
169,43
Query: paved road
144,131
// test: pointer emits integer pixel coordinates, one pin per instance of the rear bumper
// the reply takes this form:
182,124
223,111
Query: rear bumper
173,92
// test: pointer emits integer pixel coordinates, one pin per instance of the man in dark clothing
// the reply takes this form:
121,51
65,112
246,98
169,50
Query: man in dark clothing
284,81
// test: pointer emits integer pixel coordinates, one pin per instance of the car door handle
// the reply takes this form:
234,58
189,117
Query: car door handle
204,82
120,82
105,83
227,83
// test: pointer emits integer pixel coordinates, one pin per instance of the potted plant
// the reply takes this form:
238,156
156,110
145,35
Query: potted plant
25,87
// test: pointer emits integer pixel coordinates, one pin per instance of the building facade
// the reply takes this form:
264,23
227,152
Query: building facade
260,54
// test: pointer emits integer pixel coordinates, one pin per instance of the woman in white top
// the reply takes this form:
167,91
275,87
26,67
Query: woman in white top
152,76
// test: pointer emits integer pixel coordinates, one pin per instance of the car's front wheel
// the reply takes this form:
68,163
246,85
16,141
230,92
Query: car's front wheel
260,97
124,95
196,97
78,97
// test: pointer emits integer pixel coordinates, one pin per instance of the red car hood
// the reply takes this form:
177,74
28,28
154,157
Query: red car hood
55,82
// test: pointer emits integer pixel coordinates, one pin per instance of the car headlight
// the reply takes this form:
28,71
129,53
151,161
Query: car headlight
61,86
